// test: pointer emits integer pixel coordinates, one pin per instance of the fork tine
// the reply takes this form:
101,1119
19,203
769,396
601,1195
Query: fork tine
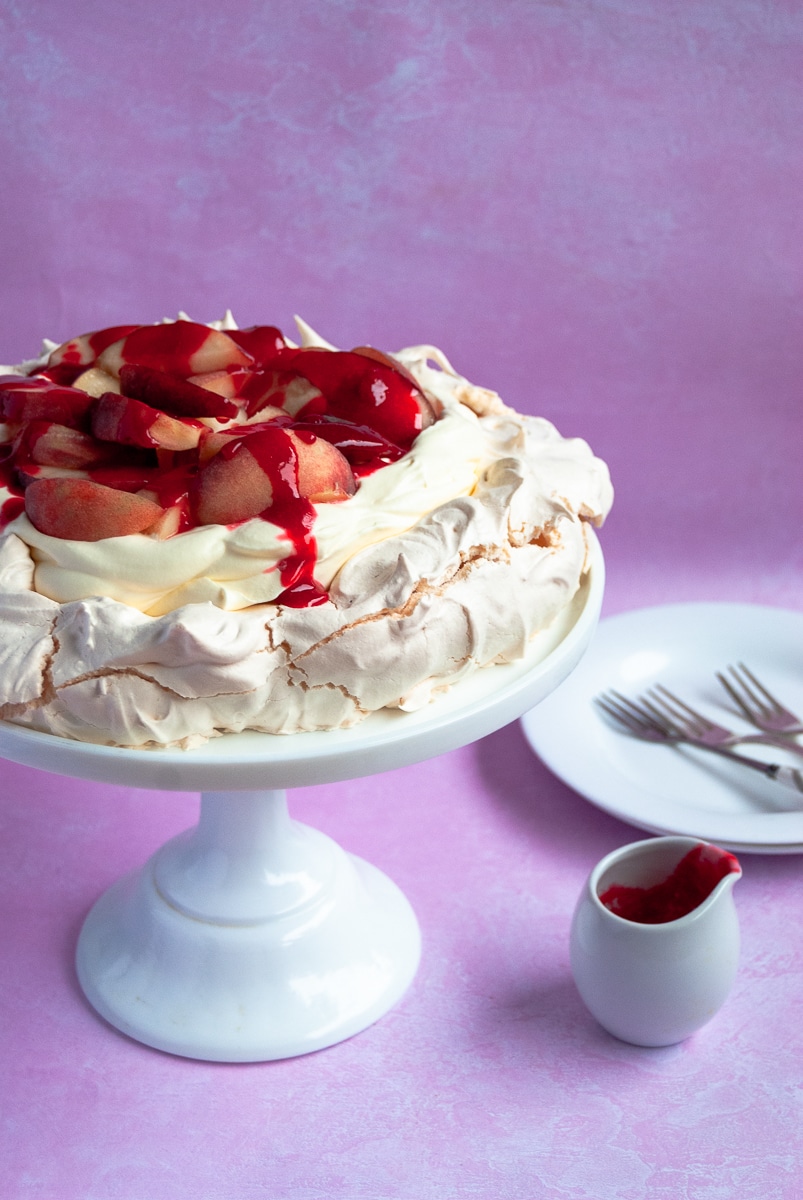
742,694
682,716
687,708
734,695
670,720
760,686
610,706
758,704
643,712
653,705
618,715
628,714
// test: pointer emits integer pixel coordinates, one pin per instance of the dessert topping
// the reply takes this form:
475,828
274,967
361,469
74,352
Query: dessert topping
159,428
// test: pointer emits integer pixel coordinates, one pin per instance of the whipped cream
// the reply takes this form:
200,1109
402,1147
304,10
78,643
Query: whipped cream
235,567
449,559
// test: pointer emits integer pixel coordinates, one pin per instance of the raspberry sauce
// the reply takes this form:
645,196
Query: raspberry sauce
262,342
82,352
291,512
171,394
359,389
693,879
72,359
165,347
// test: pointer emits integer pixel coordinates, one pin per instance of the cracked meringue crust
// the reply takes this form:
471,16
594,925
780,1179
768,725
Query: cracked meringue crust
448,560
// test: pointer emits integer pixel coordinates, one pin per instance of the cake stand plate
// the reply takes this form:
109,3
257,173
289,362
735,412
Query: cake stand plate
252,937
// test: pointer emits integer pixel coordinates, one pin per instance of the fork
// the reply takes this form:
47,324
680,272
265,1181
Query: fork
673,708
645,721
757,704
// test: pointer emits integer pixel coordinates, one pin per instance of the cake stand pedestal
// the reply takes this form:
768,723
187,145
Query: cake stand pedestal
252,937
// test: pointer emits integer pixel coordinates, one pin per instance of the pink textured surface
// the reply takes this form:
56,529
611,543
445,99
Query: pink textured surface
593,207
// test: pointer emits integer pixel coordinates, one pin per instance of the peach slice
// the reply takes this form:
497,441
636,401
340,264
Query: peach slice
84,511
29,383
359,444
52,445
388,361
180,347
83,350
28,472
367,388
264,417
96,382
232,487
170,522
33,402
174,395
282,389
324,474
248,474
213,441
132,423
224,383
169,525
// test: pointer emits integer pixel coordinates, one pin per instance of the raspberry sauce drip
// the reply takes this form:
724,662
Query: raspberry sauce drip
291,512
14,504
10,509
693,879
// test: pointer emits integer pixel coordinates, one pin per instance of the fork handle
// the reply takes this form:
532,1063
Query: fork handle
781,741
790,777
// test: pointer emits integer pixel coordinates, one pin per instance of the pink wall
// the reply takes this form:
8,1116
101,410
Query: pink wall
594,207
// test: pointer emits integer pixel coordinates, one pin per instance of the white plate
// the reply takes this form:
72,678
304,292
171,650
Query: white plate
660,788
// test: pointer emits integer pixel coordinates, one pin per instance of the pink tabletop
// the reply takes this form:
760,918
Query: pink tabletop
594,208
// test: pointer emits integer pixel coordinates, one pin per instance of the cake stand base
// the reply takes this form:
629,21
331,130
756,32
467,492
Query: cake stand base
249,938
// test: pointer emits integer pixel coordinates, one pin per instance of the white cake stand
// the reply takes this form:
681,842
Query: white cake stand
252,937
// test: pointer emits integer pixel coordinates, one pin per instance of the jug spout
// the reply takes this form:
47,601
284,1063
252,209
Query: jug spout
653,896
727,882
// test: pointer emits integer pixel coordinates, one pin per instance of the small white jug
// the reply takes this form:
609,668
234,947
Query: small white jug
654,984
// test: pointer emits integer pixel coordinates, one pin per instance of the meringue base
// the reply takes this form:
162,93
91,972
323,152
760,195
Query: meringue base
474,708
407,619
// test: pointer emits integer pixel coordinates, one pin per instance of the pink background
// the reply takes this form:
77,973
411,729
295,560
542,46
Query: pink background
595,208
